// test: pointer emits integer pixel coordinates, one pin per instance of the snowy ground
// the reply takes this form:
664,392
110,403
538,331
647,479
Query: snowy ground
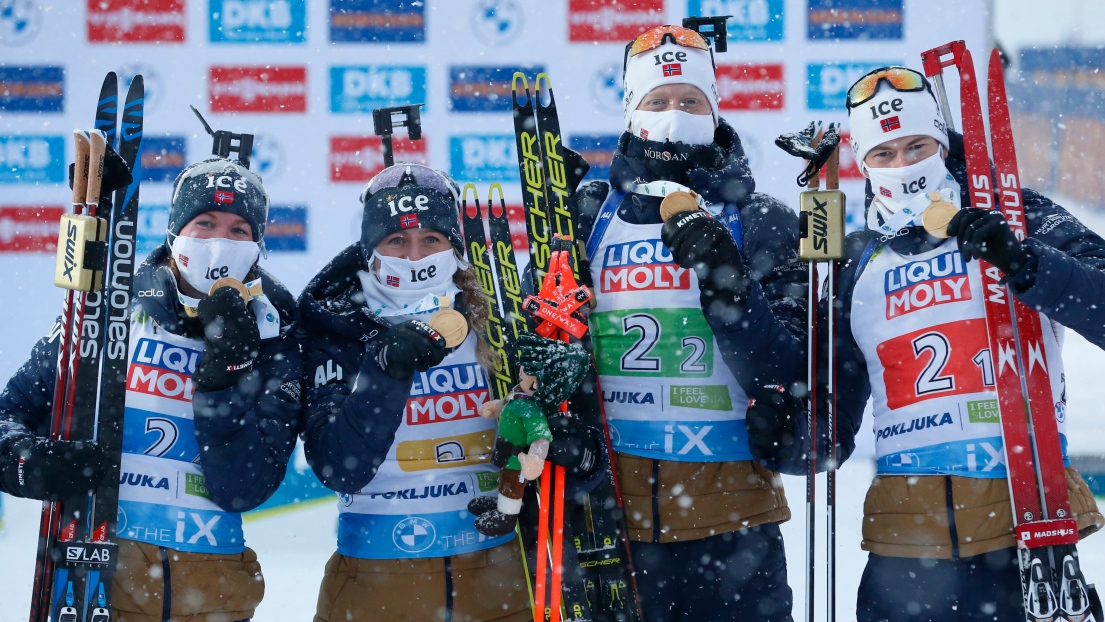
294,546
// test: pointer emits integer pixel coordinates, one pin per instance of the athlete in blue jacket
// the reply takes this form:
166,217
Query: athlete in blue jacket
392,422
911,335
693,317
212,410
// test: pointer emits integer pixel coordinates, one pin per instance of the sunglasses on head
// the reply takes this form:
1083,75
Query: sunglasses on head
402,174
899,78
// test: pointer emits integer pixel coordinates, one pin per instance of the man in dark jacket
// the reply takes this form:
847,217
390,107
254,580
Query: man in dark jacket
911,334
212,410
692,317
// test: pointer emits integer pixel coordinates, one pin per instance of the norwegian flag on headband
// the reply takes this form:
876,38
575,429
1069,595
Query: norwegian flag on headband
224,196
408,221
890,124
674,69
393,281
886,193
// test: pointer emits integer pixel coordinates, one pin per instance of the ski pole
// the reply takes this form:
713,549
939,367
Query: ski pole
821,238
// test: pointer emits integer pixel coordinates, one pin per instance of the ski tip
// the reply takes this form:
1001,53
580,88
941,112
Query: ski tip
515,91
492,189
464,194
540,93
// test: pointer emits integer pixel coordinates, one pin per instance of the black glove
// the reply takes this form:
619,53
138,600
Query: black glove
409,347
45,469
573,446
116,172
231,340
700,242
770,418
984,234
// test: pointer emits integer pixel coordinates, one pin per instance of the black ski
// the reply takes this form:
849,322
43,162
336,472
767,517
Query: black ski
77,552
117,286
598,517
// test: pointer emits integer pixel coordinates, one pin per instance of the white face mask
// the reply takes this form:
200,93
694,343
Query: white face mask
427,274
896,187
201,262
672,125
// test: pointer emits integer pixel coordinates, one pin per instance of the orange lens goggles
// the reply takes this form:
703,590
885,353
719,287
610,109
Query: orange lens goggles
900,78
654,38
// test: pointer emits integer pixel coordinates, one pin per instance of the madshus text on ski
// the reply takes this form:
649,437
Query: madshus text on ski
595,431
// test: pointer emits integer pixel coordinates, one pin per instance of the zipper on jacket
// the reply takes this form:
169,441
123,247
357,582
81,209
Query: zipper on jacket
448,589
167,586
656,501
952,531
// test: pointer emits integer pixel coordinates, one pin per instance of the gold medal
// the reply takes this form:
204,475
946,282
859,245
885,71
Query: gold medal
936,217
678,202
452,326
232,283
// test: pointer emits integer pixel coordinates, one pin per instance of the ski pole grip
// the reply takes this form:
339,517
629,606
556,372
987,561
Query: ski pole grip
96,150
80,166
933,60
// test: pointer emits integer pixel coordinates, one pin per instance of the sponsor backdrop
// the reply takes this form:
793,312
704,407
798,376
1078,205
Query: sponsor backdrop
305,76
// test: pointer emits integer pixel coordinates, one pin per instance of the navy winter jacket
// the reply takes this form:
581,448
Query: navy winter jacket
1064,278
246,433
352,407
765,342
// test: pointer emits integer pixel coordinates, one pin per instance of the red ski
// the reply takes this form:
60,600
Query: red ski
1051,581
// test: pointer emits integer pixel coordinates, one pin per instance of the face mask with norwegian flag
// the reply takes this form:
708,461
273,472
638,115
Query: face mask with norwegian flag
894,188
201,262
428,274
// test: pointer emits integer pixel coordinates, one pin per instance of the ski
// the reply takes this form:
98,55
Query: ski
532,175
53,593
76,550
594,523
501,282
119,276
1046,532
603,545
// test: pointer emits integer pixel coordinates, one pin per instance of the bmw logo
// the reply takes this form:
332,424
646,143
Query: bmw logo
268,157
497,22
606,89
19,21
121,521
414,534
346,499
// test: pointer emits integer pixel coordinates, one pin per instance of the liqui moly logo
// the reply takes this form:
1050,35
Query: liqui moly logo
751,87
922,284
162,370
360,158
641,266
612,20
447,393
135,21
258,89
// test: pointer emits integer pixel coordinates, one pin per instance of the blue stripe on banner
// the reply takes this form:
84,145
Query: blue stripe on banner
181,529
982,458
682,441
387,536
